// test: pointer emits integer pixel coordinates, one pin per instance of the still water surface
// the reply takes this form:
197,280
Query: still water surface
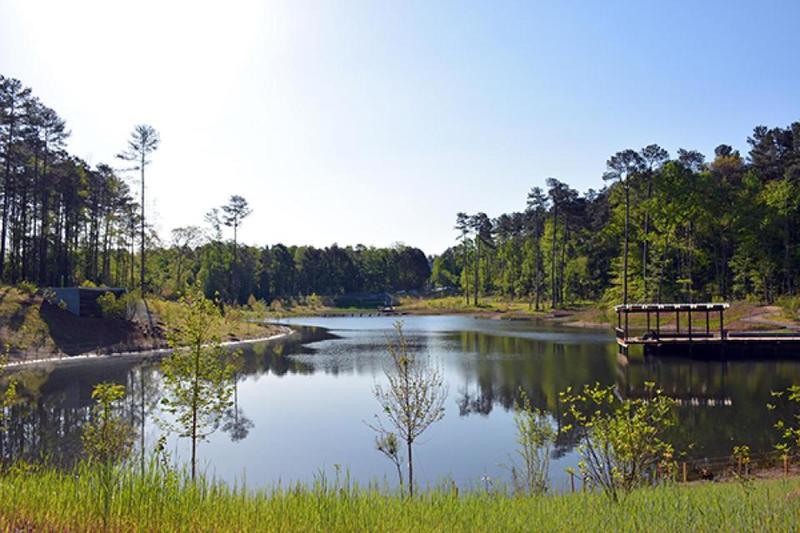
302,406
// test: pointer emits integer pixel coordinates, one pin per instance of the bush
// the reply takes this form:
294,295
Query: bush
621,440
535,438
257,306
113,307
314,301
791,307
27,287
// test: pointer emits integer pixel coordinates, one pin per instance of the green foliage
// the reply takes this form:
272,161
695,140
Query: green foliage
695,231
27,287
53,500
411,401
386,442
113,307
788,429
535,437
9,397
107,441
197,378
621,441
108,438
741,454
314,301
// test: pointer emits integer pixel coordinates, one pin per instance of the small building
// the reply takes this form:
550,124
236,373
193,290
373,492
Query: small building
82,301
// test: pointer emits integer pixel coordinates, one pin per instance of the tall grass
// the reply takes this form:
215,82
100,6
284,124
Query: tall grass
48,499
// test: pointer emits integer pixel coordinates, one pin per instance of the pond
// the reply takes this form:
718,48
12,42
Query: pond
302,405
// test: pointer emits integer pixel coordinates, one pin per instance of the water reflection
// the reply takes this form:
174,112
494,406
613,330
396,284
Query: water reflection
299,405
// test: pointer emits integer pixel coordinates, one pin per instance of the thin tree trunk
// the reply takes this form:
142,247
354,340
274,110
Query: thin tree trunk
141,419
625,252
7,189
466,272
141,273
409,447
44,207
646,242
562,289
554,292
477,268
195,402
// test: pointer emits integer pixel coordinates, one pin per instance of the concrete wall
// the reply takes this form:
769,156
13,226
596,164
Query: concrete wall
71,298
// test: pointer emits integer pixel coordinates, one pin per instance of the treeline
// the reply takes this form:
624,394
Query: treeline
285,272
692,229
65,222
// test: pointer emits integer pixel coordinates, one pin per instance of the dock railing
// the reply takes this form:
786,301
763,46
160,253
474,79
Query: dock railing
672,321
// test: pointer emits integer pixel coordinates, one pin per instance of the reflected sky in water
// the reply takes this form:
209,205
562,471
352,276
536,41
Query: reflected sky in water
302,406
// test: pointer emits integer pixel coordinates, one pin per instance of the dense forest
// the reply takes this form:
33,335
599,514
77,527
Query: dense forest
682,228
65,222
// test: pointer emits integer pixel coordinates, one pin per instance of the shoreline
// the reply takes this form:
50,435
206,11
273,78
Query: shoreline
562,318
140,355
743,316
568,318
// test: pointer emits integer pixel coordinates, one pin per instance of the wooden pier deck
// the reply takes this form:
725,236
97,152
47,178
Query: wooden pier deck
697,331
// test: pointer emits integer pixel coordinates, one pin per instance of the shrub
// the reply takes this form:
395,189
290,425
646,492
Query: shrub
788,429
27,287
113,307
314,301
257,306
107,439
621,440
535,437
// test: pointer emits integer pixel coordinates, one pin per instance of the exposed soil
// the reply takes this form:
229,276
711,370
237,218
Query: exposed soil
765,317
33,329
75,335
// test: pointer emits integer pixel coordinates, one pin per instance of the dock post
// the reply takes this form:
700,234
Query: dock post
689,320
707,323
685,473
658,322
721,326
677,322
626,324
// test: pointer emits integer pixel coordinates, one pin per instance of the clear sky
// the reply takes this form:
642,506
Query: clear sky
375,122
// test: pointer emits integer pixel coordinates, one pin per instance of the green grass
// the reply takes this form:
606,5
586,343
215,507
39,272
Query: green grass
593,314
457,304
237,324
50,500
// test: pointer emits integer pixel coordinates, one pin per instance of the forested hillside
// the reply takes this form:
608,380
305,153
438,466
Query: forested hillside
698,230
65,222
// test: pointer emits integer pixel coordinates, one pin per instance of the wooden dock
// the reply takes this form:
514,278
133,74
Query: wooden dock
691,332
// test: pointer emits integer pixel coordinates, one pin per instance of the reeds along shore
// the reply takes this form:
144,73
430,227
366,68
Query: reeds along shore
48,499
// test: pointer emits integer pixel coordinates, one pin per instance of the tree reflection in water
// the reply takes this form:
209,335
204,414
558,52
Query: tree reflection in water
723,403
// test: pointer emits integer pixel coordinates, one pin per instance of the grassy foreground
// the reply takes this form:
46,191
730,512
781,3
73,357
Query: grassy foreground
49,500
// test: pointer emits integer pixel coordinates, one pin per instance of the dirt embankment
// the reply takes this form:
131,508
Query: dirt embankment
33,329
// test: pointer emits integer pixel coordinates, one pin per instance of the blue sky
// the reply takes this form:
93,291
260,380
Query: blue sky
375,122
